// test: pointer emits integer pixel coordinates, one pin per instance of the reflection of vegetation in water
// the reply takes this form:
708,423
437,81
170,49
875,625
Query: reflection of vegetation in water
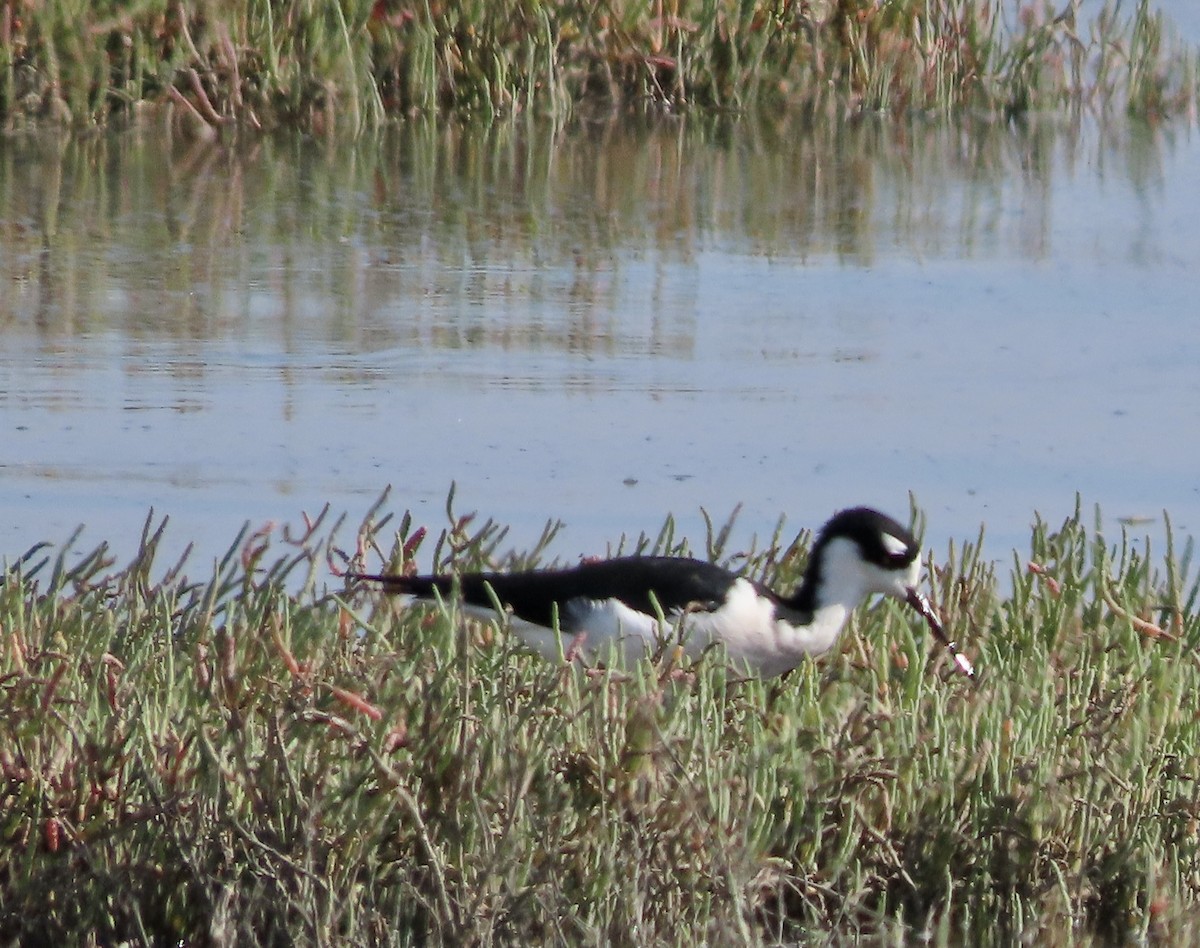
513,234
203,755
354,64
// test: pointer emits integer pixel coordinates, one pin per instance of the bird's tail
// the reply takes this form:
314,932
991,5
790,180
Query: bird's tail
395,583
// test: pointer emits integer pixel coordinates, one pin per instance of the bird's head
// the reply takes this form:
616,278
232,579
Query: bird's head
861,551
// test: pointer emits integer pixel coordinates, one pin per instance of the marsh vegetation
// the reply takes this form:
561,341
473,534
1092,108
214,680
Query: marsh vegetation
238,755
360,63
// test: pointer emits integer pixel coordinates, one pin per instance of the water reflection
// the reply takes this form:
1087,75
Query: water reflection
508,236
550,312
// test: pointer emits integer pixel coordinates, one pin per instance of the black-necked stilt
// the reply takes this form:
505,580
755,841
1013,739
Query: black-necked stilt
635,603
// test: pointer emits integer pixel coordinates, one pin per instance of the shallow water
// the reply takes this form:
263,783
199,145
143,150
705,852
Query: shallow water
605,324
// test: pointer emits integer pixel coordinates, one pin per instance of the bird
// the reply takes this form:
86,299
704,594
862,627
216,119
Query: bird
636,604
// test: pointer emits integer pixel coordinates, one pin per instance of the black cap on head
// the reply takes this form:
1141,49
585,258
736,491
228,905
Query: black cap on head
881,539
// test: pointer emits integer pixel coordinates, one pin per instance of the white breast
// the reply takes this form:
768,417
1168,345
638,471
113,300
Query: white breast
756,637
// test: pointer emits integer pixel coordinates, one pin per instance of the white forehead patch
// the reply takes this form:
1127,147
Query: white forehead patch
894,545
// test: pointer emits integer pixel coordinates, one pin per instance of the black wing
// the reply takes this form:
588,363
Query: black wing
637,581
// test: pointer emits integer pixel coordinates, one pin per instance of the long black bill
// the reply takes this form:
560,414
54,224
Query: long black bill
921,604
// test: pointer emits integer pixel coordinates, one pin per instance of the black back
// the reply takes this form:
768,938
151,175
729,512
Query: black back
638,581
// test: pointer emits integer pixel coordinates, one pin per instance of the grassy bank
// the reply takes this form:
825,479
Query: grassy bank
219,759
358,63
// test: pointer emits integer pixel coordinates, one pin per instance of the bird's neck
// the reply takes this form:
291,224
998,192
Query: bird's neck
833,581
831,589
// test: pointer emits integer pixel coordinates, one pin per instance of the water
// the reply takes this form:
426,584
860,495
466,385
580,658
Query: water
604,324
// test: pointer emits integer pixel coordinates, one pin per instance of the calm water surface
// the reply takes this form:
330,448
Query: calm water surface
605,324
